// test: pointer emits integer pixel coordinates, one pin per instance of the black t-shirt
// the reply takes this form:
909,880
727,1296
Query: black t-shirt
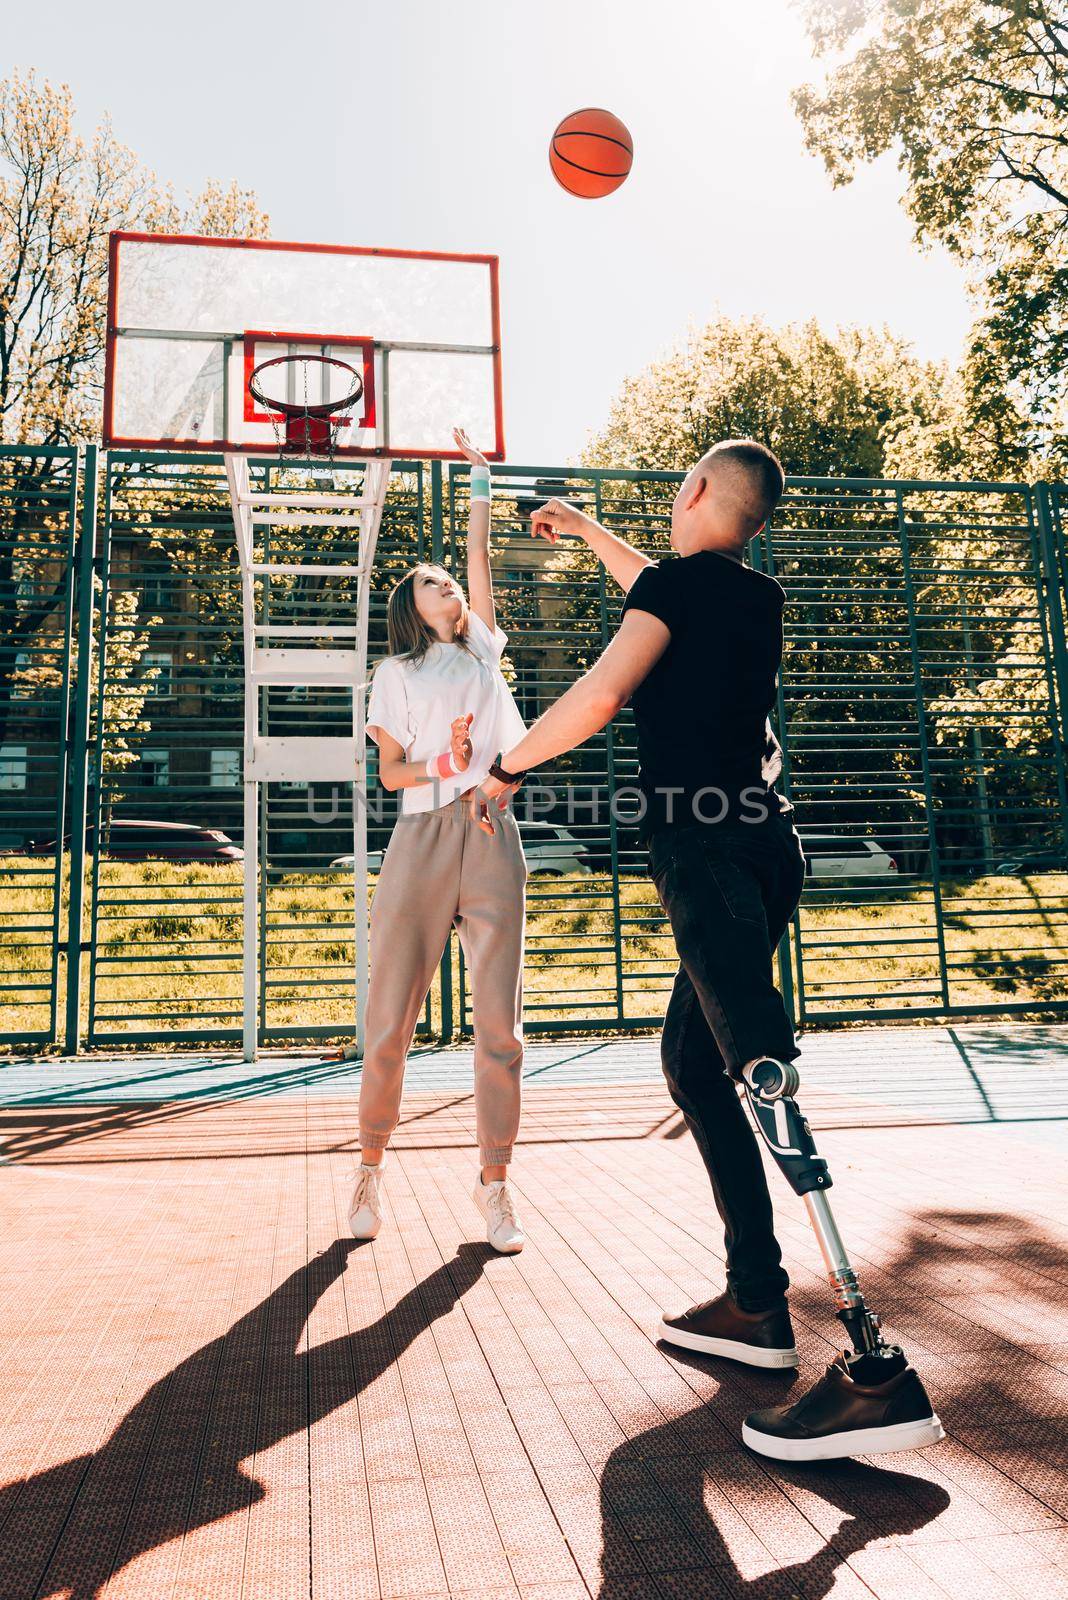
702,713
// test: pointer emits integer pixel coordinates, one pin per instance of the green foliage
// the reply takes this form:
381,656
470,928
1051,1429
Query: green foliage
842,405
60,197
973,98
121,713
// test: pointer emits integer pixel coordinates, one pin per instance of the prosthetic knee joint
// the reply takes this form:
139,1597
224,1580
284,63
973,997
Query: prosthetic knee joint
770,1087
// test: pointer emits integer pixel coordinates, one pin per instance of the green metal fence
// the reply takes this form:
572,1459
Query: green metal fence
922,702
922,710
38,539
165,943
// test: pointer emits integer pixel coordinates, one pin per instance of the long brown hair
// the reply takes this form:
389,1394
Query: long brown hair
408,635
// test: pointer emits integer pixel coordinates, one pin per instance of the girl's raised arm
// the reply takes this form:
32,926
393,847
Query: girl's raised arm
479,578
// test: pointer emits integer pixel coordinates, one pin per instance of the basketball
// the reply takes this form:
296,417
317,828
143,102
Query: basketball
591,153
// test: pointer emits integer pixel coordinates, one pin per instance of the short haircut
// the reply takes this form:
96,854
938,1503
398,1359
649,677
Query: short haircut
755,478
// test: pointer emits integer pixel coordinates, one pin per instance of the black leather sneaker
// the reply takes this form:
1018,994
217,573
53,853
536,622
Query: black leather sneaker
862,1406
721,1328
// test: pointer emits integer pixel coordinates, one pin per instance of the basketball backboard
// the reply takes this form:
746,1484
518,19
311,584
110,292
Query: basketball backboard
189,318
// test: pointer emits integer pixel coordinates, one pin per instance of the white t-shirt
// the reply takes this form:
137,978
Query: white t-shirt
417,703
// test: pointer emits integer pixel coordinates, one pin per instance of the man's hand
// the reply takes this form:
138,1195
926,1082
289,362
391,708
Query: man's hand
556,517
495,789
460,742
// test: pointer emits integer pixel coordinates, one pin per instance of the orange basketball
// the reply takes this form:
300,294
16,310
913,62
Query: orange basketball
591,153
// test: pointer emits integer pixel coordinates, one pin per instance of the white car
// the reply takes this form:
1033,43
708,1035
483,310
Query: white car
547,847
550,848
830,857
346,863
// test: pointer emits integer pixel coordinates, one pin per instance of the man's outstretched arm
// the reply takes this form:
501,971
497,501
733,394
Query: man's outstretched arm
594,700
621,559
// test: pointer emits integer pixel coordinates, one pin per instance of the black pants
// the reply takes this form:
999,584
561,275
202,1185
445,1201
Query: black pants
729,891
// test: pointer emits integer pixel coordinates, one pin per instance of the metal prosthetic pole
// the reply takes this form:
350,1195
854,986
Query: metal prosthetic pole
770,1087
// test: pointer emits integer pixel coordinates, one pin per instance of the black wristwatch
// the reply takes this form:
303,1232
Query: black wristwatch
498,772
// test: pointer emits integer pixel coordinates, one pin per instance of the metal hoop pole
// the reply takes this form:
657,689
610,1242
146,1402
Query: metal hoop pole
376,483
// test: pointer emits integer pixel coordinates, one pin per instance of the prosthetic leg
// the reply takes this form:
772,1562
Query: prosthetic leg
770,1087
870,1400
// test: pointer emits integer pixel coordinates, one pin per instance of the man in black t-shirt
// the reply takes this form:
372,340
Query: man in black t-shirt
706,750
697,655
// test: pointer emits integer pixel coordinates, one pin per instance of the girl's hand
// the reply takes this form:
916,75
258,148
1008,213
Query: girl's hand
556,517
478,810
460,742
480,801
463,443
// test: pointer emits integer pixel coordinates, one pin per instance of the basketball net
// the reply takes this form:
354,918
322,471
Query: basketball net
309,429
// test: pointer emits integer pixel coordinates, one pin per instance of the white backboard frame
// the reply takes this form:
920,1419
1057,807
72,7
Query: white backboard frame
182,310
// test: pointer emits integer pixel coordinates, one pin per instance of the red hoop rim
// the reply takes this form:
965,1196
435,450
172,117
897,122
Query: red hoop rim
301,408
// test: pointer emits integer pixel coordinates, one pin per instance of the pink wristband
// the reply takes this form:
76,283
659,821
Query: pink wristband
441,766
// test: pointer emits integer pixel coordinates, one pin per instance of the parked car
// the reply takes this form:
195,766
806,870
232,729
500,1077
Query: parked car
128,839
1016,866
550,848
547,847
828,856
346,863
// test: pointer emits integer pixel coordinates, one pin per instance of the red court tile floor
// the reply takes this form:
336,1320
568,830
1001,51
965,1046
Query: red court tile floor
210,1392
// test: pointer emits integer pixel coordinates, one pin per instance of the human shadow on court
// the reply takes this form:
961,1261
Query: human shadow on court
685,1504
994,1283
678,1502
175,1461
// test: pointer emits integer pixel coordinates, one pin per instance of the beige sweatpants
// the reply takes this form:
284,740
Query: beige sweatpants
441,868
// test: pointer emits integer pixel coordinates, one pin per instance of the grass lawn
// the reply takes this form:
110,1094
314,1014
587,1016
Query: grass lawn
169,946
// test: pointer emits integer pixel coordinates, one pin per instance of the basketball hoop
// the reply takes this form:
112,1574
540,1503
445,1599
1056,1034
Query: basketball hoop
310,426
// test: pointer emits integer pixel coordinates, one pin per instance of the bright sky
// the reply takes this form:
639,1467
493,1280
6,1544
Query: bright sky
425,124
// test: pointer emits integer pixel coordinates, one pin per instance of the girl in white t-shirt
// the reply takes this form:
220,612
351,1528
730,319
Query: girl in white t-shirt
440,713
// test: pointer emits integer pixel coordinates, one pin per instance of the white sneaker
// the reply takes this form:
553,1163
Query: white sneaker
365,1207
504,1231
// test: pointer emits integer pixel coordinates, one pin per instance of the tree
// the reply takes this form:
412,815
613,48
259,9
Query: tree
859,404
60,197
830,406
826,405
973,96
121,721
